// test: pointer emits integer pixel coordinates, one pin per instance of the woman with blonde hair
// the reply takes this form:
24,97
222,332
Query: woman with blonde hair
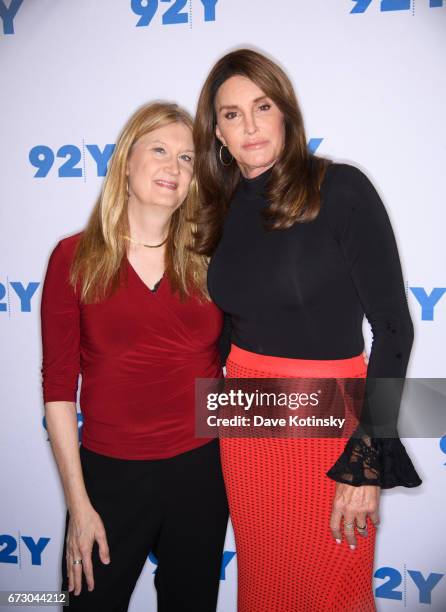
301,250
124,304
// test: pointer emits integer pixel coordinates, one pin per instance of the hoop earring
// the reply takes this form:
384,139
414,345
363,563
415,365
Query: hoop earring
221,156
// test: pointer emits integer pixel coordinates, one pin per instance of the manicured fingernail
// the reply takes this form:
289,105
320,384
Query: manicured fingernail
338,541
352,546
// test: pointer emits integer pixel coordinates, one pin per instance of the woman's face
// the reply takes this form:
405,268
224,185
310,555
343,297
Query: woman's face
160,166
250,124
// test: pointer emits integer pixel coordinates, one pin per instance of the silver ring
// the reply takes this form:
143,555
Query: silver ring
361,528
348,525
77,562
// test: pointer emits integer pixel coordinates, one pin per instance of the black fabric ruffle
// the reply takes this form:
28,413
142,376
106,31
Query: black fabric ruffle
382,462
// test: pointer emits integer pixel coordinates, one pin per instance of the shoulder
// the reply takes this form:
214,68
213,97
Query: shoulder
62,255
349,199
68,245
65,248
346,188
346,181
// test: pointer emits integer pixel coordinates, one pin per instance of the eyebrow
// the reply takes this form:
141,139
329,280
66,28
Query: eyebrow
230,106
166,145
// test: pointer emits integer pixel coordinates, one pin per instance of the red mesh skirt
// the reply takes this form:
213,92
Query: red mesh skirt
280,502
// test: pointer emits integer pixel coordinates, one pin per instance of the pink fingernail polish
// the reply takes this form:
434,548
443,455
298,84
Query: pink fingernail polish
338,541
352,546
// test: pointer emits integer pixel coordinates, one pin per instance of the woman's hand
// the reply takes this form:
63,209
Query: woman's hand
84,528
354,504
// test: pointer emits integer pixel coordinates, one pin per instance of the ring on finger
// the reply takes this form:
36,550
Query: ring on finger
361,528
348,525
77,562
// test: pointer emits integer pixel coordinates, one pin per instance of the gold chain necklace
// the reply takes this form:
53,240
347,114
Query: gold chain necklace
148,246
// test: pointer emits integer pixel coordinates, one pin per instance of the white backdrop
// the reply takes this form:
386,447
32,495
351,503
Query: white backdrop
370,76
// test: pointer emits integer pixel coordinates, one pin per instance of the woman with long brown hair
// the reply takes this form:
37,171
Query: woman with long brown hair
300,250
124,304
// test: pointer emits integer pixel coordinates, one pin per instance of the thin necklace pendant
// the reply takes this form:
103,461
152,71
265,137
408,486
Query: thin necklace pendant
155,287
148,246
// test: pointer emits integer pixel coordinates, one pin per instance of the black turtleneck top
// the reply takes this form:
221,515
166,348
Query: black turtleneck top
303,292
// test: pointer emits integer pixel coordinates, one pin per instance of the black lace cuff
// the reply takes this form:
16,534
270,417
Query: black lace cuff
383,462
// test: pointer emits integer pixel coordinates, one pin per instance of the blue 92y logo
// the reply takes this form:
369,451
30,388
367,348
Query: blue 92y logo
8,13
17,291
443,445
427,301
391,5
10,543
425,584
177,12
70,159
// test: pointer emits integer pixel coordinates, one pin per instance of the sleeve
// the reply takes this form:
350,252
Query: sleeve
60,319
224,342
365,234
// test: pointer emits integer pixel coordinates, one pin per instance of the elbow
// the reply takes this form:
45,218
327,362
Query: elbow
411,333
408,332
404,341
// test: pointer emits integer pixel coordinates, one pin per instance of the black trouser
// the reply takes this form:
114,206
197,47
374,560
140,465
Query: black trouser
175,508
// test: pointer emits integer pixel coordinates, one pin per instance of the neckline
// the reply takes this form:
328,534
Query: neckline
146,287
256,186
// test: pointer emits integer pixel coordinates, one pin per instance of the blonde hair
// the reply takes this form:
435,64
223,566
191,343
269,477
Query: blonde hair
97,269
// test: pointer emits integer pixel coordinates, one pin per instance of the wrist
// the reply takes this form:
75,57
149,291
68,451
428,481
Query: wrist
78,505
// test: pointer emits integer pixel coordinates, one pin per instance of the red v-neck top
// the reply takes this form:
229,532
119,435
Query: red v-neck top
138,353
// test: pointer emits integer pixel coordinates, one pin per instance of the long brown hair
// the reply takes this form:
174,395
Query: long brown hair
97,267
294,187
